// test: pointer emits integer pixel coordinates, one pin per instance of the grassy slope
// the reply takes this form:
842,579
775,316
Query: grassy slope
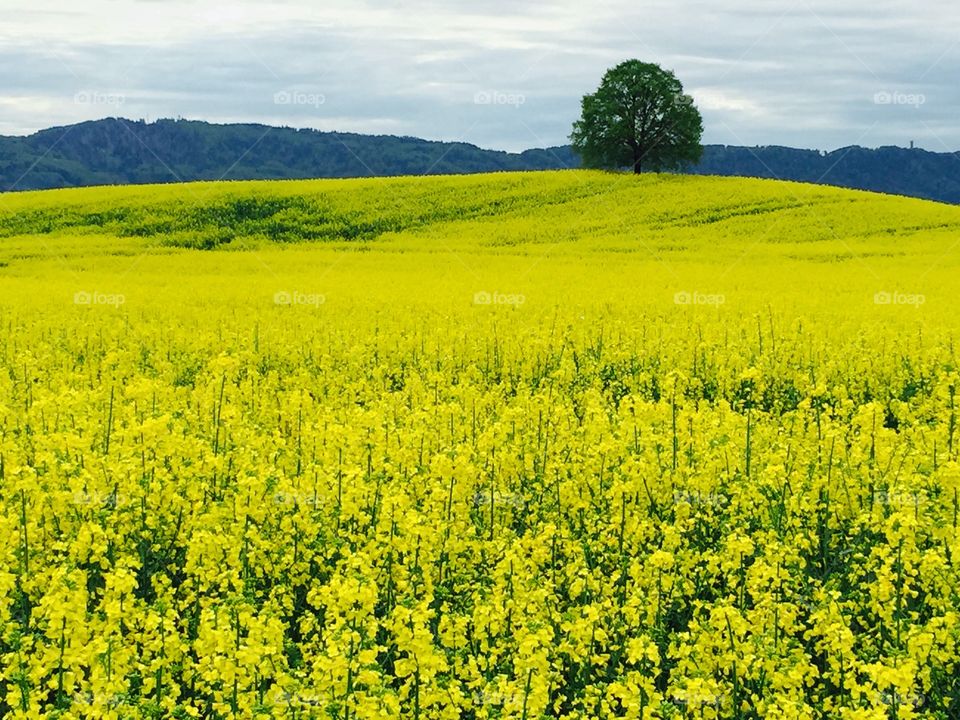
571,205
557,237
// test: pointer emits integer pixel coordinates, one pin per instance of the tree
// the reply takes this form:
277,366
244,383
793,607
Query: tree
638,117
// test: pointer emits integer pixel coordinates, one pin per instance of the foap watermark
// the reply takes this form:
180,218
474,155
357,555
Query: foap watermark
900,498
100,499
899,298
695,297
899,700
96,97
302,699
115,300
284,297
886,97
307,499
698,498
101,700
299,97
494,698
498,298
485,498
497,97
695,699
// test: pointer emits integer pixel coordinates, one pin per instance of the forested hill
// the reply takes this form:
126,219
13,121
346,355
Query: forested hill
116,151
894,170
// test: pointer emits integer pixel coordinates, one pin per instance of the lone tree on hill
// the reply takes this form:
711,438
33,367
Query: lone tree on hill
638,117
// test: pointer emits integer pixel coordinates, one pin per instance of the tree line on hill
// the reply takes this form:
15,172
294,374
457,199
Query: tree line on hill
117,151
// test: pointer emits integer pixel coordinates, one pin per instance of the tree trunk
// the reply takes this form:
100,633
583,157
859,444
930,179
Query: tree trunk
637,159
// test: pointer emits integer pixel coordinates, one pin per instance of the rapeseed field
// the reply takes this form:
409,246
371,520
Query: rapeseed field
550,445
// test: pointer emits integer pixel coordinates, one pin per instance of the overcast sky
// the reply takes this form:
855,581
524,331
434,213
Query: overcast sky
509,75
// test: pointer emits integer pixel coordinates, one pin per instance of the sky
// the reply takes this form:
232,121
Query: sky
819,74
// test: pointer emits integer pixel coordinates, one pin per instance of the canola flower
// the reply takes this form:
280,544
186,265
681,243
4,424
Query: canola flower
604,502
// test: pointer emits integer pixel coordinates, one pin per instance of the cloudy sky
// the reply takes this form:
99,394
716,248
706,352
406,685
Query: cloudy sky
816,73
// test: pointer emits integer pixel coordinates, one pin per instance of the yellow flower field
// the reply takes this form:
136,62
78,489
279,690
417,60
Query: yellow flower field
547,445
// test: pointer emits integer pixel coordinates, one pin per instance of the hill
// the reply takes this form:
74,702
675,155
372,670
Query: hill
117,151
894,170
573,210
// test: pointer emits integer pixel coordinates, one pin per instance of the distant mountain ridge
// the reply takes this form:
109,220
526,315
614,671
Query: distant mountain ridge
117,151
892,170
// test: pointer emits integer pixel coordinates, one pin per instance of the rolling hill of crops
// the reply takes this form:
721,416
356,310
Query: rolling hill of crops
532,445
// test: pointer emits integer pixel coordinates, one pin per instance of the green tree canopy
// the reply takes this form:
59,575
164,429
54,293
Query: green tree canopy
639,117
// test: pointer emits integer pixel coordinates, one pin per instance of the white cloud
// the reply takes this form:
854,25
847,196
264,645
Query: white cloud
719,99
